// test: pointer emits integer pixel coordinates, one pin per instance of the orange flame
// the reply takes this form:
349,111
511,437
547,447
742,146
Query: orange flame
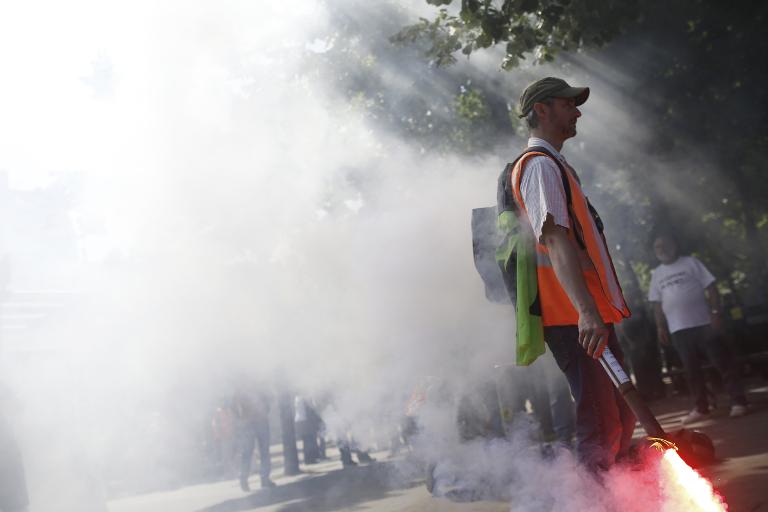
689,486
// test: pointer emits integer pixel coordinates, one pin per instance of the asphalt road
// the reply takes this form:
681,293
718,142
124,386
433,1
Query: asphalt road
740,475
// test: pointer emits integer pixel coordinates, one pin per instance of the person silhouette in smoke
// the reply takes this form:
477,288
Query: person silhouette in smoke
579,295
251,408
307,424
223,436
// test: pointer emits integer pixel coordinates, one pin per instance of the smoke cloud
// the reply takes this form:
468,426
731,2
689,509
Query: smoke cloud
231,218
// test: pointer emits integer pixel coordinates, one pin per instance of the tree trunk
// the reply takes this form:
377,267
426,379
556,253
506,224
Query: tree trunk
287,426
756,254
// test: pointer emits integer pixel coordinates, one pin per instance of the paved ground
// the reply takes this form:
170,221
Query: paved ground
741,476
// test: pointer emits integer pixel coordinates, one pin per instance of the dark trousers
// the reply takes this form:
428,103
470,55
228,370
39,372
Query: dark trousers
547,389
604,421
690,343
346,453
308,434
252,433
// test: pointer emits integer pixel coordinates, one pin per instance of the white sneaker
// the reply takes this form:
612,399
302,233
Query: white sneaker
738,410
694,415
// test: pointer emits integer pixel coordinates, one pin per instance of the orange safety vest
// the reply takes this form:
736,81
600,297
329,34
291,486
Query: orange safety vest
556,307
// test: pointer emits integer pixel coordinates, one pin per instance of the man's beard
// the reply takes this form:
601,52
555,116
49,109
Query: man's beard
569,131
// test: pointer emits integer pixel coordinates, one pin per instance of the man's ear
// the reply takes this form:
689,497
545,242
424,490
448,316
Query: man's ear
541,110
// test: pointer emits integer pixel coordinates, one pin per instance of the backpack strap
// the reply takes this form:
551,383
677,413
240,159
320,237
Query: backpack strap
505,197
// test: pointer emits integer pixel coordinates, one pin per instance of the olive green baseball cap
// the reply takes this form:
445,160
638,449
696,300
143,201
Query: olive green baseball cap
550,87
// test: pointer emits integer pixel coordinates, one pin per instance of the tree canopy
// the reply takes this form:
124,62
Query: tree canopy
540,28
701,88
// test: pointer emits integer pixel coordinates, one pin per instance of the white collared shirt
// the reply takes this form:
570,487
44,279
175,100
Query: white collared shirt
542,189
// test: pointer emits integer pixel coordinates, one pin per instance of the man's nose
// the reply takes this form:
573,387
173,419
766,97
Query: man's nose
578,113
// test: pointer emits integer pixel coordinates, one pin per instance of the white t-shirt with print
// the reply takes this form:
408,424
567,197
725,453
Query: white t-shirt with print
679,287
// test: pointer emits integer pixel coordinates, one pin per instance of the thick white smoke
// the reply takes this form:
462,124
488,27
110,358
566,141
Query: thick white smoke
231,218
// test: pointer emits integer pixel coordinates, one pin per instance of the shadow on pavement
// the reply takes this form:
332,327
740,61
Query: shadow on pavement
331,491
746,493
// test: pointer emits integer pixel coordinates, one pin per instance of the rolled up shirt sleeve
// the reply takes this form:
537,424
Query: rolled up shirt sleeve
542,189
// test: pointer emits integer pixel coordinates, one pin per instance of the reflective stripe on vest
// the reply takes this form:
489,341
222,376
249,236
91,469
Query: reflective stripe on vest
601,280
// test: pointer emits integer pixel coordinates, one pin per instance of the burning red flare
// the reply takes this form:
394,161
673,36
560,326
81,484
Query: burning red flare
686,487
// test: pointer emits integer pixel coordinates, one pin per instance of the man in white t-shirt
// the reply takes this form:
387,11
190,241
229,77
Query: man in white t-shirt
687,307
